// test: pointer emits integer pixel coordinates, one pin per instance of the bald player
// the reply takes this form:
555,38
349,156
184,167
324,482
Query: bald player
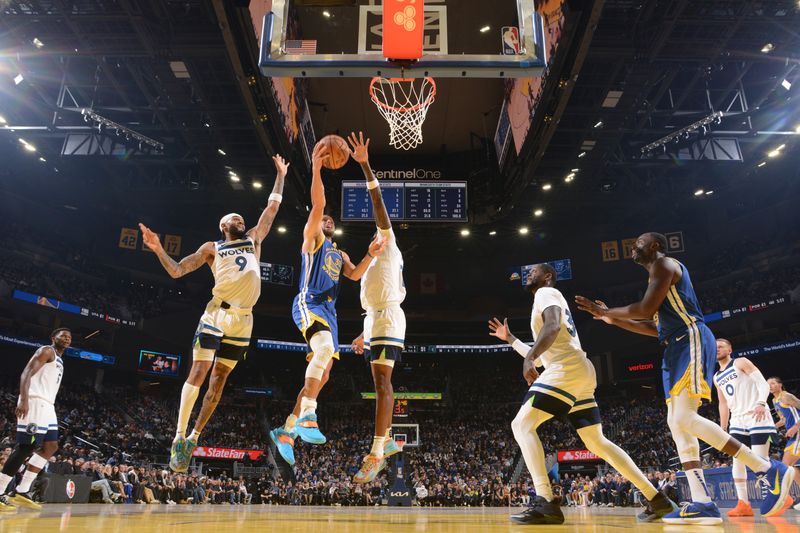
223,335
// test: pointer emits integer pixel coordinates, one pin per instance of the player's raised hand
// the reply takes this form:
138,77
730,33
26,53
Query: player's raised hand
759,413
377,246
150,238
320,154
358,345
359,151
499,329
597,308
281,165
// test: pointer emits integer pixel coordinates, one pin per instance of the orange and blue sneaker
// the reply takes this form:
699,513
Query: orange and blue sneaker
704,514
369,469
390,448
308,429
777,482
284,442
742,508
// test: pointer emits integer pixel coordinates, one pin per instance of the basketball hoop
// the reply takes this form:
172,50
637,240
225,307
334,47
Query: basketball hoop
404,103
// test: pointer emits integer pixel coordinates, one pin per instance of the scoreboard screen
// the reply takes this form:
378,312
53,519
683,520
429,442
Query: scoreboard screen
439,201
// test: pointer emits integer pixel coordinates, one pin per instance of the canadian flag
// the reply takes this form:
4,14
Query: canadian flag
429,283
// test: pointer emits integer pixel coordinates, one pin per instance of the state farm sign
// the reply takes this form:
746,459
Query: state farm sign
226,453
577,455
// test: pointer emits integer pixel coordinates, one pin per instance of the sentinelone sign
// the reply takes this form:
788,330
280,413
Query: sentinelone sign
412,174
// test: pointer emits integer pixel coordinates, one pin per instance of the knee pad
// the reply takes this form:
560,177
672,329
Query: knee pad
322,346
17,458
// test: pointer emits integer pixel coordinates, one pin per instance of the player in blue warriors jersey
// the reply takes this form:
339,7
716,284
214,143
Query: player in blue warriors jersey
314,311
788,407
670,311
223,334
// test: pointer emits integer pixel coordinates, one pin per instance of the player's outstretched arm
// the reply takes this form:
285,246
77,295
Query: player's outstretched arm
545,339
746,366
354,272
312,232
360,154
190,263
43,355
598,308
261,230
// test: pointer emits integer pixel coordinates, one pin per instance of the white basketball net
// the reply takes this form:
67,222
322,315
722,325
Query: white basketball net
404,104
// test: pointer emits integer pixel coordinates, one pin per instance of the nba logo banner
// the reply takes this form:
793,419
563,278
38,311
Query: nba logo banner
511,46
403,24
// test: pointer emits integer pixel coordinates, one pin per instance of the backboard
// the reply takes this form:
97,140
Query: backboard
460,38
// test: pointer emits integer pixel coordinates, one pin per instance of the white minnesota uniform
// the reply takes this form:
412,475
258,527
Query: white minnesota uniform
382,292
741,394
41,422
227,322
568,375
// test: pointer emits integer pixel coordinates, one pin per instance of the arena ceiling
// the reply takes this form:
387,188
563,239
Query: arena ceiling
184,74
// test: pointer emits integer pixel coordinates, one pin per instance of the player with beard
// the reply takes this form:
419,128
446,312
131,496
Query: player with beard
37,424
314,311
565,388
223,335
670,311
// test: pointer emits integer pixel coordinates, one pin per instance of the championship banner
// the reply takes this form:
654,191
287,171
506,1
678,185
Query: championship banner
403,24
172,244
577,455
128,237
627,248
233,454
610,251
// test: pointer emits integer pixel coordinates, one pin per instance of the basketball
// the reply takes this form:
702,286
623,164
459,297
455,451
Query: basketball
338,150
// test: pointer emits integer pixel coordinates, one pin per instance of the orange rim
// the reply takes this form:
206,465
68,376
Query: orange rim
428,101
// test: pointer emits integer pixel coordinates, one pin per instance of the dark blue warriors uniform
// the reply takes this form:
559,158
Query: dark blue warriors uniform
314,308
690,352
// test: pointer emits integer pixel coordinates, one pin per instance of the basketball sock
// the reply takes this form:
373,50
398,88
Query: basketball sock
195,435
291,420
4,481
307,406
597,443
27,478
697,485
739,473
751,460
524,426
377,446
188,398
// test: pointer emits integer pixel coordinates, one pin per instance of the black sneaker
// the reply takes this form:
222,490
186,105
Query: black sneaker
540,512
656,508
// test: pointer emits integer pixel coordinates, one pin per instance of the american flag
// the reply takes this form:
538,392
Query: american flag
301,47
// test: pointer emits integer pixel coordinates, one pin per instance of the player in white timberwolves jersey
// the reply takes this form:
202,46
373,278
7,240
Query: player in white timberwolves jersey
565,388
37,424
383,337
743,392
223,334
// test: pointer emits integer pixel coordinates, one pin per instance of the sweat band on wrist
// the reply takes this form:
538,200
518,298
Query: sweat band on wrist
521,348
275,197
372,184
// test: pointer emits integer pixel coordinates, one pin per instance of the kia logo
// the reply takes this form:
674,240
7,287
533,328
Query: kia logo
70,489
399,494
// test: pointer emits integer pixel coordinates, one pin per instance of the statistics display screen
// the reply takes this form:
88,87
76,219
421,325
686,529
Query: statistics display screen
439,201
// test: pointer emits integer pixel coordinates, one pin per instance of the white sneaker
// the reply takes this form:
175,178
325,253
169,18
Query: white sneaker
796,506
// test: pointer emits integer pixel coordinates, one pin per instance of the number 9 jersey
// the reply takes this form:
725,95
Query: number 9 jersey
237,274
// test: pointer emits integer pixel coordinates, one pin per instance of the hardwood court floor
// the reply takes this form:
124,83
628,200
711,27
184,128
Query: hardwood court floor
92,518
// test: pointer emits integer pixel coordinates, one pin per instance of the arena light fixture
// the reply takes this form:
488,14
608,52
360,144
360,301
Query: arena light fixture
538,212
102,123
786,84
684,133
4,121
767,48
338,231
582,154
43,160
257,185
574,170
465,233
569,177
281,229
37,43
774,153
762,164
326,14
235,178
18,79
220,151
523,230
485,29
493,233
709,193
699,192
599,124
547,187
796,128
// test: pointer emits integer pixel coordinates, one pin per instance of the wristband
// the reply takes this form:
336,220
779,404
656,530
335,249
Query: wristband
372,184
275,197
521,348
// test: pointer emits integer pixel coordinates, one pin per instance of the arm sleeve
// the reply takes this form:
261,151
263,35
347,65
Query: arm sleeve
761,385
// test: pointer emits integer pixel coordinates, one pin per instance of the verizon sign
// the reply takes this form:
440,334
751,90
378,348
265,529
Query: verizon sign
577,455
226,453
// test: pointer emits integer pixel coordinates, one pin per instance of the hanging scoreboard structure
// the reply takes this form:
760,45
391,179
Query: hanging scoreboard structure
410,201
